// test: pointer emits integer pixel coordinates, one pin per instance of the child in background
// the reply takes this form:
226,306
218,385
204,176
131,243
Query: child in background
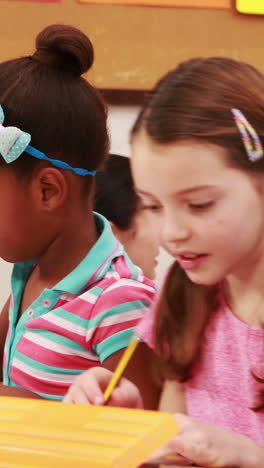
76,296
198,166
116,199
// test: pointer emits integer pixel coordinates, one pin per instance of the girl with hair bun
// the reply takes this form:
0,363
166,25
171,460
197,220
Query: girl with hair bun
76,296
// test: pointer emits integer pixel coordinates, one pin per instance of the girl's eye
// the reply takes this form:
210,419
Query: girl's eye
200,206
151,207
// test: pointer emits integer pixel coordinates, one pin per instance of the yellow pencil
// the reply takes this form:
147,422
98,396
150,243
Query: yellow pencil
125,358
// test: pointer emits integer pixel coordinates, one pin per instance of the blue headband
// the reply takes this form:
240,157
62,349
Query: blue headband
13,142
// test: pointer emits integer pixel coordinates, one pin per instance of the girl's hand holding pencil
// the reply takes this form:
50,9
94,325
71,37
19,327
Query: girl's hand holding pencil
99,386
128,353
89,388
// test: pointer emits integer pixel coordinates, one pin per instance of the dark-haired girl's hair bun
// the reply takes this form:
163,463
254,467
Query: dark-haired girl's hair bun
64,47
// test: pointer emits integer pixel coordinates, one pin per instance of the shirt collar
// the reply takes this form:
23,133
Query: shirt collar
91,269
96,263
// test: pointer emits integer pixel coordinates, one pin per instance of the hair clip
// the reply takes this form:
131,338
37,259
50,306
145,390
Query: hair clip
250,138
13,142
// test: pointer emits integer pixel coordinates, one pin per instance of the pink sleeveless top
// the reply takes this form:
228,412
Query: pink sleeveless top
222,388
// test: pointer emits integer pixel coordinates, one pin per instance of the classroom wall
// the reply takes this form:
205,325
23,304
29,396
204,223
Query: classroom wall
121,118
135,45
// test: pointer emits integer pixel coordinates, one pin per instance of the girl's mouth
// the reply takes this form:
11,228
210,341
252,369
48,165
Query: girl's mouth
190,261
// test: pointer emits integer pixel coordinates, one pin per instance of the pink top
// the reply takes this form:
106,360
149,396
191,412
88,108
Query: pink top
222,388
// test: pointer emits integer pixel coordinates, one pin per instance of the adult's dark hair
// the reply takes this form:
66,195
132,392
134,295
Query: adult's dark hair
194,102
115,197
45,95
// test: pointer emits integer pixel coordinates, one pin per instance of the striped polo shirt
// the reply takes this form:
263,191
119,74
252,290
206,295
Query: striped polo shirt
85,318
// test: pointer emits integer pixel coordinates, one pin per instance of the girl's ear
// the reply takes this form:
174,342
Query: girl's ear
50,189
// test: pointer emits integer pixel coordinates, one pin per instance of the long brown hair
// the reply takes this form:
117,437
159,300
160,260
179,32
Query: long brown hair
181,315
194,102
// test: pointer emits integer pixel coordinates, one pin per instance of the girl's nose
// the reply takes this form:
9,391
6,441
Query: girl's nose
174,232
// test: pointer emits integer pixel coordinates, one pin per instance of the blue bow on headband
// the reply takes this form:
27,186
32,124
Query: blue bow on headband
13,142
